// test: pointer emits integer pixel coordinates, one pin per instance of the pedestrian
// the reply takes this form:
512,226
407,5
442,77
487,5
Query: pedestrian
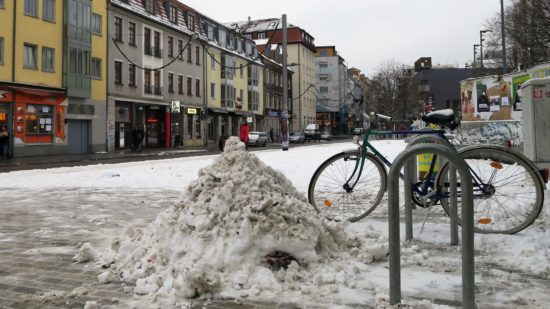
243,133
271,135
4,142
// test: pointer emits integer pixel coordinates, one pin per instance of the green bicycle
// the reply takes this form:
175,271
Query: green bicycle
508,188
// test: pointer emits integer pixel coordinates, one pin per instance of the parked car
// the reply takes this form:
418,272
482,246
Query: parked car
358,131
326,136
257,139
296,137
312,132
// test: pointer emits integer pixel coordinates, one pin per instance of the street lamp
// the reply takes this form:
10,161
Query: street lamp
481,39
475,51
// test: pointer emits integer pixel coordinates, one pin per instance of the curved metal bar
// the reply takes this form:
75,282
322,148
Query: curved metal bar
468,296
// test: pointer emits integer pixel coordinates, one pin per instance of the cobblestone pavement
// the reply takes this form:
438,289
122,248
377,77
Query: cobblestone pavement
40,234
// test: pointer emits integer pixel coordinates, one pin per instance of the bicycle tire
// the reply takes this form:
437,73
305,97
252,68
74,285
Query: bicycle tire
326,188
517,192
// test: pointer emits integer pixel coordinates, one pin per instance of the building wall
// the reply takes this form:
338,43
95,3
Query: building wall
49,35
443,84
99,50
213,76
303,96
6,32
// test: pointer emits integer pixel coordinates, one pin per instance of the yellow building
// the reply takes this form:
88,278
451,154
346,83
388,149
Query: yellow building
40,70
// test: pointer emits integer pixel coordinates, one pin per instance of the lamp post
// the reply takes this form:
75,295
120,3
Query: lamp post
284,113
475,51
481,39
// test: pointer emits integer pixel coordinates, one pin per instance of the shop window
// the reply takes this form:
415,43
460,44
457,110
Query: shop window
39,119
189,126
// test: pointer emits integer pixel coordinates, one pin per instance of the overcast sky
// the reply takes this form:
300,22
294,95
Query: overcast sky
367,33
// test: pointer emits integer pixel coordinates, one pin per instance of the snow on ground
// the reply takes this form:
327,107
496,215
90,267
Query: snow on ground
213,240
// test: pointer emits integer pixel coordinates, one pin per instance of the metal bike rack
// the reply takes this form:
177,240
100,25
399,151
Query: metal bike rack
410,170
468,296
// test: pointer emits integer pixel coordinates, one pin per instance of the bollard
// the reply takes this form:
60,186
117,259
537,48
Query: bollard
468,296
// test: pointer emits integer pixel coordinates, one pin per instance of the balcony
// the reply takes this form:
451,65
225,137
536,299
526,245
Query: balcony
157,52
148,89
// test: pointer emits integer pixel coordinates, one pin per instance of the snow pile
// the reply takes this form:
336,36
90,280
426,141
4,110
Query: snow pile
215,242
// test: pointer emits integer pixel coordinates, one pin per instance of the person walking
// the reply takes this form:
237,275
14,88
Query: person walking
243,133
271,136
4,142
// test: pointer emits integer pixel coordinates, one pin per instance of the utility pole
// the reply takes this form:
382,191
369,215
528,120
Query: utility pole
475,52
284,112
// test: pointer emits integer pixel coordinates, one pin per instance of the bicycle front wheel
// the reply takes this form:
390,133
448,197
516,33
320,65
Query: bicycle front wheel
508,194
332,191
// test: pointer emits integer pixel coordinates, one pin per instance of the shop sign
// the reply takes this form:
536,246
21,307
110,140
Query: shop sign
175,106
249,119
272,114
5,95
191,111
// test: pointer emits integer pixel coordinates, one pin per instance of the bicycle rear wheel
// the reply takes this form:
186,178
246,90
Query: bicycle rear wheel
508,193
331,195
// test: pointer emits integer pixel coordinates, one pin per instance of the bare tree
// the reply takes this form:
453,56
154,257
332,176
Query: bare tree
394,92
527,30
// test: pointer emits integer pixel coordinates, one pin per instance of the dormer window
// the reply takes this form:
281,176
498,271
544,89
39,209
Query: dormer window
191,22
173,14
261,35
149,6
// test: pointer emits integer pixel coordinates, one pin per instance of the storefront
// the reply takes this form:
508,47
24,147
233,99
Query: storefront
153,120
38,120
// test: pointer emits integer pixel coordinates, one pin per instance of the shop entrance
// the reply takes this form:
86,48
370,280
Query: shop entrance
155,134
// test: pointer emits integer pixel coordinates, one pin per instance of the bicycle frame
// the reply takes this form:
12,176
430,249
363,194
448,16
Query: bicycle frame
426,183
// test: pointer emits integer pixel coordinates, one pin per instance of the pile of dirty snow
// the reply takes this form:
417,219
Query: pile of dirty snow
215,242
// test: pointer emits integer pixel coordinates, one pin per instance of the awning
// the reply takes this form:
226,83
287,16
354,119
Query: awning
217,110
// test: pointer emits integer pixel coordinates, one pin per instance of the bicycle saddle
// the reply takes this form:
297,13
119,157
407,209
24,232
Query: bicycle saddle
444,118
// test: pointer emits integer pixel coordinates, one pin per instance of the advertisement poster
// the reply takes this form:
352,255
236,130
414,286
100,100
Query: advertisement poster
516,92
482,99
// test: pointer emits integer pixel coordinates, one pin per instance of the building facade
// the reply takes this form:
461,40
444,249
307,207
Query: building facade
48,97
156,70
300,56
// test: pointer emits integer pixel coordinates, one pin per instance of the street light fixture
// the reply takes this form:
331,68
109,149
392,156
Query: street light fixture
481,39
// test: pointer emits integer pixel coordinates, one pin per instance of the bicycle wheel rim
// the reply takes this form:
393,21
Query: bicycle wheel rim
518,193
326,189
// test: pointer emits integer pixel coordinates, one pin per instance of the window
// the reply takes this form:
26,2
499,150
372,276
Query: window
1,50
39,119
197,55
241,70
30,56
48,59
173,14
95,71
149,6
261,35
96,24
132,75
191,24
180,84
147,42
323,77
1,4
48,10
323,89
212,62
79,69
157,82
118,72
212,90
156,43
189,54
189,86
323,64
171,82
31,8
241,95
198,87
170,47
132,33
79,20
118,29
147,82
180,50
